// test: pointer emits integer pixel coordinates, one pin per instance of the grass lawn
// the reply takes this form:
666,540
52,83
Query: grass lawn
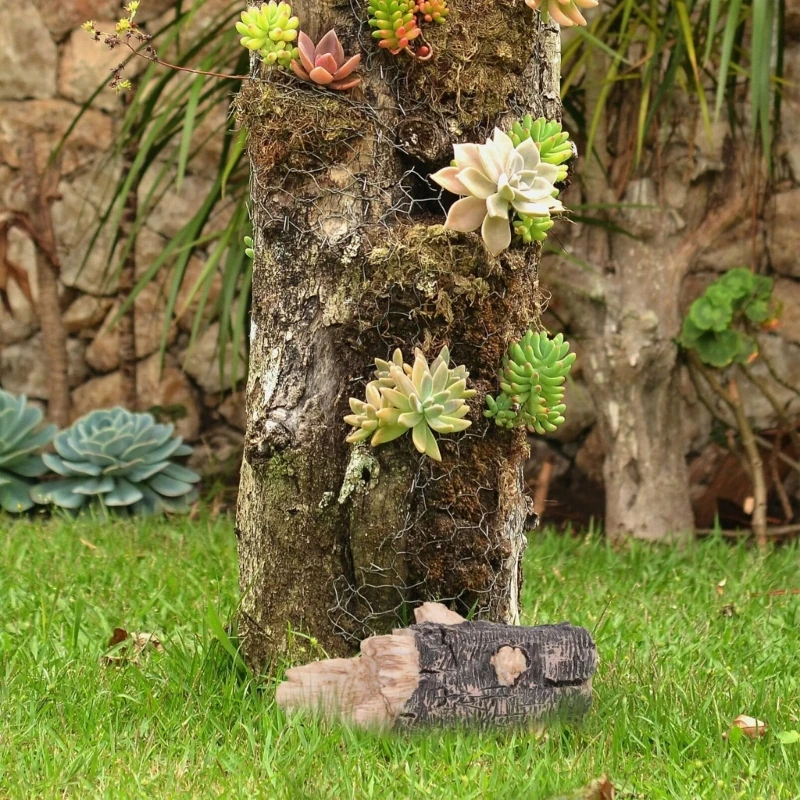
678,661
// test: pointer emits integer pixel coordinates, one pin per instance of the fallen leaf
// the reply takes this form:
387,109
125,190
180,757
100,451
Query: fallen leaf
721,586
749,505
128,647
750,726
88,544
599,789
558,574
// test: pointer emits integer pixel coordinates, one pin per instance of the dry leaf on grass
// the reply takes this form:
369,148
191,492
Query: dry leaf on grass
599,789
128,647
721,586
749,726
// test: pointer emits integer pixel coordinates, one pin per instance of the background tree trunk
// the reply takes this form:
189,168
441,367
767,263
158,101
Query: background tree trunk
626,312
351,262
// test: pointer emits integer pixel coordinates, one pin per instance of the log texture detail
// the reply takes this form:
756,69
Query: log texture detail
445,671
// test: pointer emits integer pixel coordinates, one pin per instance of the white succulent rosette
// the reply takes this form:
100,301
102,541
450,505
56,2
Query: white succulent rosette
565,12
494,179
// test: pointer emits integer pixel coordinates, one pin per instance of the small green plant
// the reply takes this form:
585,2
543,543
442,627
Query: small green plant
721,321
394,22
325,63
248,247
555,148
122,460
21,439
532,383
554,143
564,12
495,179
435,11
271,31
423,399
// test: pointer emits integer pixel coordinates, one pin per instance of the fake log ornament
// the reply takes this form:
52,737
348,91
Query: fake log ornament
447,671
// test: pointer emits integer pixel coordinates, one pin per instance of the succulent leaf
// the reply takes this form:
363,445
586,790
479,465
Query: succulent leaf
21,438
497,179
423,399
535,369
394,23
565,12
120,459
271,31
554,143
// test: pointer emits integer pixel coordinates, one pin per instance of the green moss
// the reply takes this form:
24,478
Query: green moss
480,56
295,125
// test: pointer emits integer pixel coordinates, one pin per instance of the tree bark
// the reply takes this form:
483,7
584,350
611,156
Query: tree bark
351,261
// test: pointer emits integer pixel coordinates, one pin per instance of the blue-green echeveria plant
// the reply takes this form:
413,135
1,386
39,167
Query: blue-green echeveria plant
122,460
21,439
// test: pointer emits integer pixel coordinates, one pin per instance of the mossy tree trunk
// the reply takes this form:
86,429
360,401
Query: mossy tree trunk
351,262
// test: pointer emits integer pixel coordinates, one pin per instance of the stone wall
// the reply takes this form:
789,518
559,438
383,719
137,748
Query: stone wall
50,67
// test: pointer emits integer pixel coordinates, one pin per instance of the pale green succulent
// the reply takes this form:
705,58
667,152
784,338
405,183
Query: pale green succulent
554,144
122,460
270,30
532,383
423,399
21,439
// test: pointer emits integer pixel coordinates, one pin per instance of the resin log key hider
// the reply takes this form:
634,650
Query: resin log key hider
446,671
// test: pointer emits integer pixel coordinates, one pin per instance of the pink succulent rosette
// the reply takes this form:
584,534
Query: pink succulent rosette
325,64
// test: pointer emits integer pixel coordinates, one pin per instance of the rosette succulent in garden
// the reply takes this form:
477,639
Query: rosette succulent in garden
325,63
564,12
495,179
271,31
394,22
122,460
532,383
21,438
423,399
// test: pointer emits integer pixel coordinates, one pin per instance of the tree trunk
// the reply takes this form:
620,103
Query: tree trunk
351,261
627,313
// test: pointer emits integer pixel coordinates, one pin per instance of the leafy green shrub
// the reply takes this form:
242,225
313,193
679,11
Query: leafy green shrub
20,443
720,322
122,460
